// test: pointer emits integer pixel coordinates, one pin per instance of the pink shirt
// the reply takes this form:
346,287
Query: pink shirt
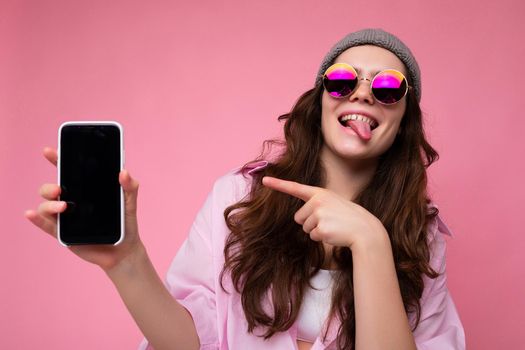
193,280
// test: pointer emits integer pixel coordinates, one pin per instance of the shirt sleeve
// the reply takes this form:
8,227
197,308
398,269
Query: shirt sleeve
440,327
191,278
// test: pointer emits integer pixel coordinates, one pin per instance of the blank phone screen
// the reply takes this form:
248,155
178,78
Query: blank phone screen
89,170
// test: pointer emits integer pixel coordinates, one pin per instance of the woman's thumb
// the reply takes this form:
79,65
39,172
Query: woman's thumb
130,187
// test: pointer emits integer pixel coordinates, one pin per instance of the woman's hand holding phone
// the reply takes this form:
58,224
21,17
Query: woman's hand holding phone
106,256
128,266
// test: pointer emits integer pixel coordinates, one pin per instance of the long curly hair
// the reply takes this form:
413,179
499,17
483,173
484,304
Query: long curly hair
267,252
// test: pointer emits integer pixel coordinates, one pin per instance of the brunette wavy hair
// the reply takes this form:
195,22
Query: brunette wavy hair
268,254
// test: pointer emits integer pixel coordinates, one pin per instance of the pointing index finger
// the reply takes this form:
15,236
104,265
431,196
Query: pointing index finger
292,188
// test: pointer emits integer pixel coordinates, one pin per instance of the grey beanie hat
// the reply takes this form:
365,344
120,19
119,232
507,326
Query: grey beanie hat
377,37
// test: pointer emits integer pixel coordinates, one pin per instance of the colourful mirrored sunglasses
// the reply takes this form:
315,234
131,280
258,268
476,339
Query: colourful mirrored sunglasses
388,86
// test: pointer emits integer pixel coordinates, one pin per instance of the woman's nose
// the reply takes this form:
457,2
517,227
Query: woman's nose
362,92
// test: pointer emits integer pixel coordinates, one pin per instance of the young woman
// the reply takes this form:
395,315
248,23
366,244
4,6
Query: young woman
328,241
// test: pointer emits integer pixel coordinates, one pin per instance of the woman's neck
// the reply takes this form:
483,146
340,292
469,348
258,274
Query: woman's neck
346,177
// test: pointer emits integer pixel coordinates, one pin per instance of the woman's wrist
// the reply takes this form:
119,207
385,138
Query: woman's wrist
376,239
130,264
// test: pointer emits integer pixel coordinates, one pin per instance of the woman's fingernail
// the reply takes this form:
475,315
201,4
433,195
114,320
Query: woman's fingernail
60,205
70,207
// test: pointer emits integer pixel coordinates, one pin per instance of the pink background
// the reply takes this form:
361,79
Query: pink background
172,73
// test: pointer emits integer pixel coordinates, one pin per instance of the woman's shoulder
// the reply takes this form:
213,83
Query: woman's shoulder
437,226
436,232
236,183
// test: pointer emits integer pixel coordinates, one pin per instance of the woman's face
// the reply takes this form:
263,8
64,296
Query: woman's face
343,142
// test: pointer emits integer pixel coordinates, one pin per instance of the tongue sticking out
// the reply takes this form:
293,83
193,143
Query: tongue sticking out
361,128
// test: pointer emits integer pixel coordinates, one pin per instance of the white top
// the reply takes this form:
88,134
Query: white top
316,306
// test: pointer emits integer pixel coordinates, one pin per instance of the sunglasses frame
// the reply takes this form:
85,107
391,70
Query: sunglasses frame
371,83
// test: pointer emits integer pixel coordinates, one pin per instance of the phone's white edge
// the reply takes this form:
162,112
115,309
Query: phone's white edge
122,207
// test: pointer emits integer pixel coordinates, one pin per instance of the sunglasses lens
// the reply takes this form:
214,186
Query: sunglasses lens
389,86
340,80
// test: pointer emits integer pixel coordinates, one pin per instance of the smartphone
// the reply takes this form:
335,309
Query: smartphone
90,158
